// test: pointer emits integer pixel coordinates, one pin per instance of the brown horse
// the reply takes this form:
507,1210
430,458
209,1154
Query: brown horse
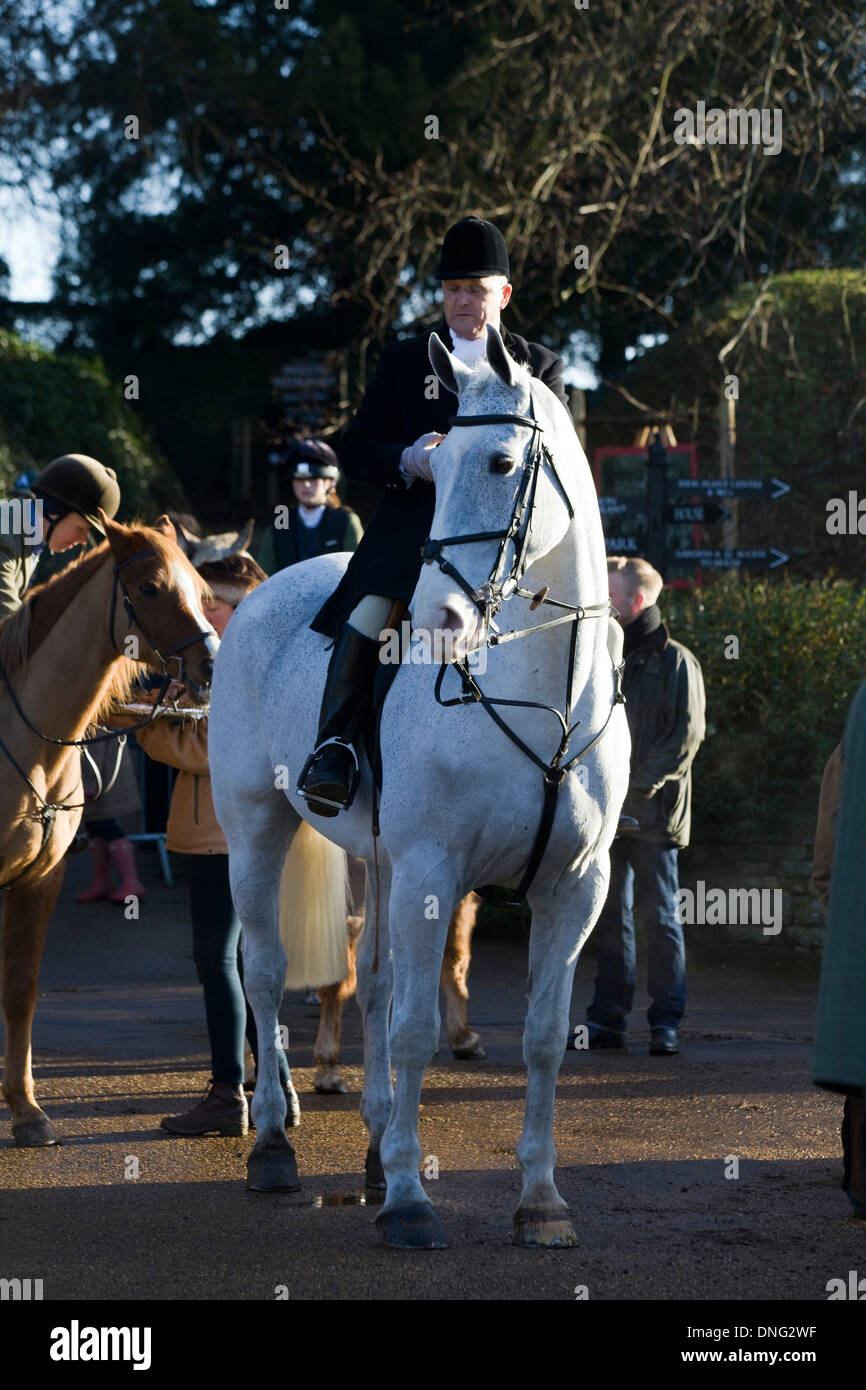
65,656
464,1041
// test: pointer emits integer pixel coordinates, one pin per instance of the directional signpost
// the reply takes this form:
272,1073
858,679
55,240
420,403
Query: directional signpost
651,513
730,559
735,487
615,506
705,513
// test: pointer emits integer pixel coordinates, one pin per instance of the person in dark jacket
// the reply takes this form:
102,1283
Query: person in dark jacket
664,704
839,1062
316,524
403,416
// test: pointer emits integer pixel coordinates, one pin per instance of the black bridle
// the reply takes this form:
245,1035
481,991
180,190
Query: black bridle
49,809
489,599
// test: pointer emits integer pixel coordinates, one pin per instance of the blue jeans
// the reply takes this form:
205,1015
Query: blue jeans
651,869
216,950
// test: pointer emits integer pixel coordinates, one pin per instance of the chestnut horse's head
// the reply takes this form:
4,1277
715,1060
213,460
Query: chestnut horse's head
157,613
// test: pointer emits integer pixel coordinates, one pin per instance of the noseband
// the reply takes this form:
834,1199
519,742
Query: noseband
489,599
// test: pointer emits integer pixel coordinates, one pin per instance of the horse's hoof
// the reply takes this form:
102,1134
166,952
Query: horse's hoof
273,1169
331,1085
374,1173
412,1226
550,1229
470,1050
34,1134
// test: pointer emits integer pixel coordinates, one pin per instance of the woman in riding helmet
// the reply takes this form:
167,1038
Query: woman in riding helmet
56,515
314,523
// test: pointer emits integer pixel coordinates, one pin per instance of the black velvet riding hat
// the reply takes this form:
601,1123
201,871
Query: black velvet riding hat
471,249
311,458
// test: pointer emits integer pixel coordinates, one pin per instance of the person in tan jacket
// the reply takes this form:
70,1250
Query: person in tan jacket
825,829
193,829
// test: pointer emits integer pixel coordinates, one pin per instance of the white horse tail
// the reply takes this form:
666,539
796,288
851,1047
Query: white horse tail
313,907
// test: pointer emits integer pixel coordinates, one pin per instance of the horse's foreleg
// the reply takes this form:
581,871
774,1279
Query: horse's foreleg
326,1049
419,911
559,929
374,1000
465,1042
255,867
25,917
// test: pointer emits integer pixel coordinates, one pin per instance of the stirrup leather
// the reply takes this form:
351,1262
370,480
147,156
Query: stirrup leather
310,764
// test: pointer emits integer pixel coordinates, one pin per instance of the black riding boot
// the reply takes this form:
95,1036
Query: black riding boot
330,774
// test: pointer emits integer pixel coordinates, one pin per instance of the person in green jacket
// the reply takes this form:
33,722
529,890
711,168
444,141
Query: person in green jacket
314,522
840,1032
55,514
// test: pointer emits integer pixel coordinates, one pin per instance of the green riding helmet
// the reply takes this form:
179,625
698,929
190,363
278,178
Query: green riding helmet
83,484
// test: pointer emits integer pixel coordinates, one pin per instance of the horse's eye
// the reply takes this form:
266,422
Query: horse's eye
147,590
501,463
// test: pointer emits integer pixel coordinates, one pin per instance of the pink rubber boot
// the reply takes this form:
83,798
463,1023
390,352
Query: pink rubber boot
131,886
101,883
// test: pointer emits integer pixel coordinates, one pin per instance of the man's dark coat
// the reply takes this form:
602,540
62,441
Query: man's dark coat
399,405
665,707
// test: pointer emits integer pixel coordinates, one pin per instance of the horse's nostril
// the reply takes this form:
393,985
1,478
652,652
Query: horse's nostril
450,620
207,670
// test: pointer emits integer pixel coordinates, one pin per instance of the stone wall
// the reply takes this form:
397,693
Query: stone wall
786,867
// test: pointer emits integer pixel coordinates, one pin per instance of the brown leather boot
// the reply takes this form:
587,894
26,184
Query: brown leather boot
223,1110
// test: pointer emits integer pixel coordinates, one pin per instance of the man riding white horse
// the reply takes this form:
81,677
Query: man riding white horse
398,407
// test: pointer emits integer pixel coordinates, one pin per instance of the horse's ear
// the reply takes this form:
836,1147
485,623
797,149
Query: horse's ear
453,373
498,357
244,537
110,529
164,525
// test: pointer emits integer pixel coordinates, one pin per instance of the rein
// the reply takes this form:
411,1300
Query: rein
49,809
488,601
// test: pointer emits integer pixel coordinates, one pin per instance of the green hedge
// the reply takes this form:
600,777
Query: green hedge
776,712
51,404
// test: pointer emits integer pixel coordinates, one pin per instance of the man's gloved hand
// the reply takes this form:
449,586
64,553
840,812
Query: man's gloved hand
415,460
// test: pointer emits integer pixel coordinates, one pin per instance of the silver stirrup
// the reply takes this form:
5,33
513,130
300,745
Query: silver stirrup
310,763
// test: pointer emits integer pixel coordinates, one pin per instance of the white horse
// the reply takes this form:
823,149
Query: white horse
461,802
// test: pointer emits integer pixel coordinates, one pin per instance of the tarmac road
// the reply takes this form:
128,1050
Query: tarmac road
644,1144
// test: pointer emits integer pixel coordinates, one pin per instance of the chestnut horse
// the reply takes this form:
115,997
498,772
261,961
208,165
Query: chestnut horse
65,656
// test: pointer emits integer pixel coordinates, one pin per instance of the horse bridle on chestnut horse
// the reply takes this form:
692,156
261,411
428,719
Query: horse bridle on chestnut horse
48,809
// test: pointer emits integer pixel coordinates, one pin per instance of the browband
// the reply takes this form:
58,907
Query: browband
495,420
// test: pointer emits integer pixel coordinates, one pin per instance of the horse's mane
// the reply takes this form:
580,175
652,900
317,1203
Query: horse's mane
23,632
